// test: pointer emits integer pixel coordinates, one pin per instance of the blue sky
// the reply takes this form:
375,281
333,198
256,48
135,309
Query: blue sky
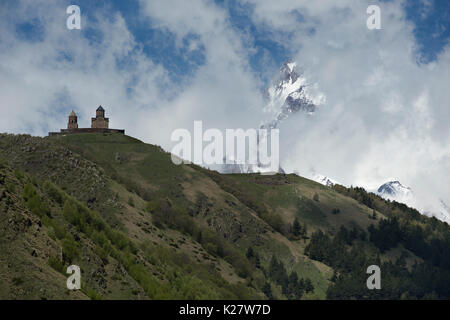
431,19
158,65
431,26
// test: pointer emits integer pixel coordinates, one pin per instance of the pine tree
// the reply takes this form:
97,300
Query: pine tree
257,261
267,290
293,285
250,253
296,228
308,285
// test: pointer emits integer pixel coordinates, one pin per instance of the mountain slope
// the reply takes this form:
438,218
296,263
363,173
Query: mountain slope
141,227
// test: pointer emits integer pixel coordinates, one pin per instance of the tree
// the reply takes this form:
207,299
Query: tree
250,253
277,272
304,231
336,211
267,290
296,228
257,261
292,291
316,197
308,286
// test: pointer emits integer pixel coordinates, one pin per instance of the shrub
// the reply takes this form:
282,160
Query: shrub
101,253
34,202
70,211
54,192
91,293
131,201
70,249
58,231
3,163
19,174
17,281
11,188
153,205
56,264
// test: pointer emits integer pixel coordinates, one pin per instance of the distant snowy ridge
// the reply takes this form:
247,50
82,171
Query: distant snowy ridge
323,180
395,191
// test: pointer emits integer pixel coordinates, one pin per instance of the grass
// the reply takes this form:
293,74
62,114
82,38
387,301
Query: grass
150,229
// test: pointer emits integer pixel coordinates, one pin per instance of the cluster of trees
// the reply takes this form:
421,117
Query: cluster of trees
292,287
386,207
253,257
333,251
390,233
429,279
297,230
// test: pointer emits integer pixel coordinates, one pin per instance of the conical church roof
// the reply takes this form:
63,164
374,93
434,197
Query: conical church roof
73,114
100,109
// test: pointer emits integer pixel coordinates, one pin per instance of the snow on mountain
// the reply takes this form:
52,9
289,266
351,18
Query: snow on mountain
290,93
444,212
323,180
440,211
395,191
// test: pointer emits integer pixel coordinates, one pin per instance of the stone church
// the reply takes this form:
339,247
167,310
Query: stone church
98,124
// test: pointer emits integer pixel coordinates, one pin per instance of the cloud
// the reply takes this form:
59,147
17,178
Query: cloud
224,91
386,115
42,81
104,64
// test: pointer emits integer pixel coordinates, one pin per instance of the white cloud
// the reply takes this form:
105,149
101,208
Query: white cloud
385,115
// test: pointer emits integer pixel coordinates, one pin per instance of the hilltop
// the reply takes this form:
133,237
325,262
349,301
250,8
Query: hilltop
141,227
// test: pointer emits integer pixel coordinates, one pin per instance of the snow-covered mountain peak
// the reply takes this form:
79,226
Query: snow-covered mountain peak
290,93
394,189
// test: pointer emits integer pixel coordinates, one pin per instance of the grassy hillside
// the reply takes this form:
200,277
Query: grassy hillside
141,227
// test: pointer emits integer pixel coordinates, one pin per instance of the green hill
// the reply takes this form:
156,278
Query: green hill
141,227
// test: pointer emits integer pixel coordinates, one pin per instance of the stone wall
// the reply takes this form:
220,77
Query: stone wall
87,130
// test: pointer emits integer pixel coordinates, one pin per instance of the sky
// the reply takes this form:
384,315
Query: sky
158,65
